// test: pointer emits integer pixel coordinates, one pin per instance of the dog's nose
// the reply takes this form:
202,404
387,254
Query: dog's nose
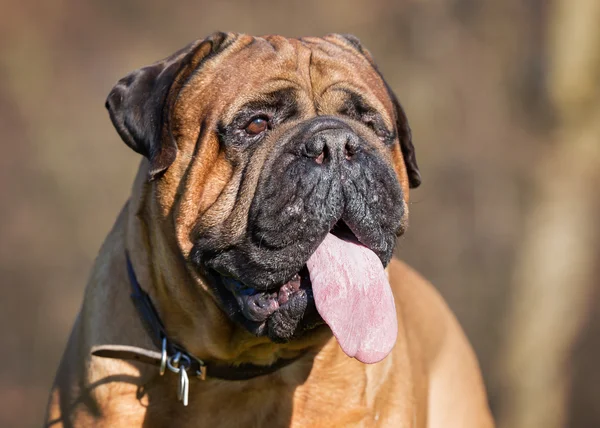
329,139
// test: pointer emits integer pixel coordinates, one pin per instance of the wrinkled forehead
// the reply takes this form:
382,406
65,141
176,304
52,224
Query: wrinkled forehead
315,68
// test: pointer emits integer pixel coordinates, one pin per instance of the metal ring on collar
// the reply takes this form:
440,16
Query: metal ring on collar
174,362
183,391
163,357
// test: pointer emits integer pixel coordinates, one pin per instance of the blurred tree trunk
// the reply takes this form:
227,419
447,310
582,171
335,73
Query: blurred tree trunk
553,278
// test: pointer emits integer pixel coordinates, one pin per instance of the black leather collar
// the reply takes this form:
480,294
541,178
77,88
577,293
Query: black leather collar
172,355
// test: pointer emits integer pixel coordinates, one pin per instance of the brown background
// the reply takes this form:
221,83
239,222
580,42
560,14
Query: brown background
504,102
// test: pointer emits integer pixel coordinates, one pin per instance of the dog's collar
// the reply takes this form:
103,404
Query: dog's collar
173,356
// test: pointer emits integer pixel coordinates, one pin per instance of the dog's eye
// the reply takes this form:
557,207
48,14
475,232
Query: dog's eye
377,126
257,125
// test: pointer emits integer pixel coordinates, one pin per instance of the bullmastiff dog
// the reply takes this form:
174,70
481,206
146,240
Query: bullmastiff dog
249,279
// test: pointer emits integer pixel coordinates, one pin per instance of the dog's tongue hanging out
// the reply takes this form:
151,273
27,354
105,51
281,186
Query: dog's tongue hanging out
353,296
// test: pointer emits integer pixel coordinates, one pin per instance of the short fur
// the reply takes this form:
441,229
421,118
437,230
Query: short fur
200,193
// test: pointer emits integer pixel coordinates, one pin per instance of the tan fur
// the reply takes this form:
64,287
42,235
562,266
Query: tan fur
431,379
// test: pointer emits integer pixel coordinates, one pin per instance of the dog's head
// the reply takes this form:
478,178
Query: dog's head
261,150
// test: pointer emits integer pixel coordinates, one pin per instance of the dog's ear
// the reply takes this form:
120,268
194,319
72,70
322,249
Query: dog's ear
141,103
406,144
402,126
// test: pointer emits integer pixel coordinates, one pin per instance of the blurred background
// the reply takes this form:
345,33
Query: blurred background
504,102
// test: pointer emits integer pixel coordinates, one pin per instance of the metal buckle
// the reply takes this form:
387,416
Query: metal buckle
201,374
178,364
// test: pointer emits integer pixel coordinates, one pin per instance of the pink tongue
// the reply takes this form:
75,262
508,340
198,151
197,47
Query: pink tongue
353,295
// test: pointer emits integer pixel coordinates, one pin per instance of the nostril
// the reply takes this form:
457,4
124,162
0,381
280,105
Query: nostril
319,159
317,149
323,156
351,147
314,146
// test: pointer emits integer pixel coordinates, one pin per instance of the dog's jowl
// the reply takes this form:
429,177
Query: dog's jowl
249,280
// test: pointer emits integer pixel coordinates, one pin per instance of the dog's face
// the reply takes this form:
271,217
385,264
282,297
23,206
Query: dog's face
260,148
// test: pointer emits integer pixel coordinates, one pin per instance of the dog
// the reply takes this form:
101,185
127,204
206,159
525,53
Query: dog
249,279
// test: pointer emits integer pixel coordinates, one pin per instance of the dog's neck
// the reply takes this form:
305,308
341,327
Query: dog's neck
188,310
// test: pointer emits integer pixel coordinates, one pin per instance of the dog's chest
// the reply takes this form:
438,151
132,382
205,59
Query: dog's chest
327,398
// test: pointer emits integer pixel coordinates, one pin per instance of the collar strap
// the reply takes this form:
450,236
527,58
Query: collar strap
172,355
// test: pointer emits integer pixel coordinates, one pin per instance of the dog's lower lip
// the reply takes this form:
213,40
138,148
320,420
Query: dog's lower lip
258,305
